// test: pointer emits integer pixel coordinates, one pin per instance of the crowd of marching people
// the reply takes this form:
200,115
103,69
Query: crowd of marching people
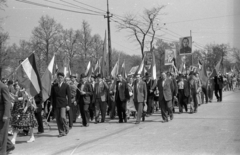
92,98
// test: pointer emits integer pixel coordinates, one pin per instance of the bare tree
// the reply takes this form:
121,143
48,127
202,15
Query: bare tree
85,39
142,28
46,36
70,44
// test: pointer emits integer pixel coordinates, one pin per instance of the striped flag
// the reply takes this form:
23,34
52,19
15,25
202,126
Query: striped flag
115,69
123,70
47,80
216,69
28,77
88,71
66,67
141,70
97,69
153,67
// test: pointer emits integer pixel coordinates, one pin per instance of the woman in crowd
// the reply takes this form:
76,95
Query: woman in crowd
23,114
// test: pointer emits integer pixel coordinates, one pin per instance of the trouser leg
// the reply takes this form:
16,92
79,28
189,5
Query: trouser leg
103,108
3,136
97,110
64,120
38,117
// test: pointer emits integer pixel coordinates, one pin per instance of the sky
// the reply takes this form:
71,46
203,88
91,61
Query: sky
210,21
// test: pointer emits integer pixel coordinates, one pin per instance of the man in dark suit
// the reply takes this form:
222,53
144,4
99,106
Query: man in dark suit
121,97
38,112
218,80
100,99
139,97
165,87
5,105
61,100
83,98
150,95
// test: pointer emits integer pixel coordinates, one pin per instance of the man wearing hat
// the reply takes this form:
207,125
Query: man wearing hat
100,98
61,101
83,98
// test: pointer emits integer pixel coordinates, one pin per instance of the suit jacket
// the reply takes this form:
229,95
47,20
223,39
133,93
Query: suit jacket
103,92
86,98
140,91
193,86
218,82
149,86
166,91
175,87
122,91
5,103
60,96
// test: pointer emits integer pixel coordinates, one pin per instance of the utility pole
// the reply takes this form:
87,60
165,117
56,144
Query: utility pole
0,58
109,38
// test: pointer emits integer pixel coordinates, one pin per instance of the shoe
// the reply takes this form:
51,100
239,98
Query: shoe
87,125
31,140
125,120
143,118
165,121
10,149
61,135
39,132
171,117
70,128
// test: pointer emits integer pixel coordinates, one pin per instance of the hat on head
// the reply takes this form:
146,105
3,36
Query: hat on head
147,75
60,74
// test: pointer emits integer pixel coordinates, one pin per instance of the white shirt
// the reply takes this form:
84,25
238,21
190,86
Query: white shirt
60,84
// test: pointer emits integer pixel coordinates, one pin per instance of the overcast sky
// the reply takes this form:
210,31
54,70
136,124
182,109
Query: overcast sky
211,21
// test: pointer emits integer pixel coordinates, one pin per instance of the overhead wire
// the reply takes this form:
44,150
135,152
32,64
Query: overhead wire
56,8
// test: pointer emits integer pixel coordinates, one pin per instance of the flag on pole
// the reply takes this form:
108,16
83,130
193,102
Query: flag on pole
199,64
153,67
66,67
141,69
115,69
203,75
123,70
88,71
47,80
28,77
216,69
133,70
97,69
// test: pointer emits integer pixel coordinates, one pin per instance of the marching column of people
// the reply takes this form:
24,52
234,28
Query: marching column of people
96,97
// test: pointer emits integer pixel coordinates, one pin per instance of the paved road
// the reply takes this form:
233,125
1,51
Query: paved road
215,129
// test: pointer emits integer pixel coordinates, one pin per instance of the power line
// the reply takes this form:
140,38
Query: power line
200,19
82,7
56,8
89,5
